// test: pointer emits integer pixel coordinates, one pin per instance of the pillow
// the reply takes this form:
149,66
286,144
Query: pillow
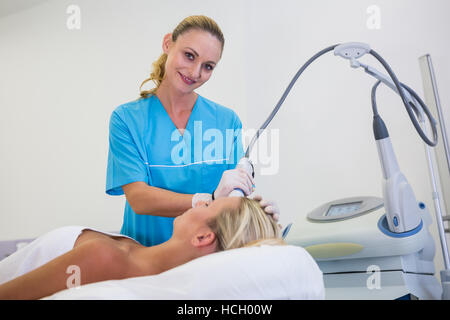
263,272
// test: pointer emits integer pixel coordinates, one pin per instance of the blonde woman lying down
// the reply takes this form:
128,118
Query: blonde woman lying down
225,223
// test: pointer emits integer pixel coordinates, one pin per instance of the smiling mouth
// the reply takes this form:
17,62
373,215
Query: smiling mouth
186,79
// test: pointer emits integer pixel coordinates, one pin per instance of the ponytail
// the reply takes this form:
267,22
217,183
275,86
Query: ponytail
156,76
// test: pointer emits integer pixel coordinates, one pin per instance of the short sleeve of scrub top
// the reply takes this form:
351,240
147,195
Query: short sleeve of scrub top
145,145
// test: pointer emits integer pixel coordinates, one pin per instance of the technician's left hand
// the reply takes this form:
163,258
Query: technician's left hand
270,207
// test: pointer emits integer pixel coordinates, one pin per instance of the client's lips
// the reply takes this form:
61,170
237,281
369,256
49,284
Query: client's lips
186,80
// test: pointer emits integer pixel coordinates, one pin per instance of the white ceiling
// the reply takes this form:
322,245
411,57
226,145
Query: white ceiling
8,7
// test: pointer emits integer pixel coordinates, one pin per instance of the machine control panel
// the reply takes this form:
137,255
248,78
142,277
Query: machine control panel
346,208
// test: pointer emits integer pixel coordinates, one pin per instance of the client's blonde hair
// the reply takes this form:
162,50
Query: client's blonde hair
244,226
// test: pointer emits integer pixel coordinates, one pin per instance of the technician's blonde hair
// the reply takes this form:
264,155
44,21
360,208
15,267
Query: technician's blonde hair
245,226
193,22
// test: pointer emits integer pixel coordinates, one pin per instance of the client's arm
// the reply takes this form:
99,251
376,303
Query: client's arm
97,260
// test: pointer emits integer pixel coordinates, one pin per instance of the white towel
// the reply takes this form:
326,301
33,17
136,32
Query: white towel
42,250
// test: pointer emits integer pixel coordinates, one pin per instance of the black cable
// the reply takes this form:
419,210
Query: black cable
410,107
283,97
374,98
414,108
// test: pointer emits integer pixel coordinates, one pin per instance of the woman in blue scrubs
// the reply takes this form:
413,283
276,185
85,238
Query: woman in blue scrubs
172,147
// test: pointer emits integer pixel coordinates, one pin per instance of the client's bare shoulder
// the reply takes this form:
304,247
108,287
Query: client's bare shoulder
123,243
115,253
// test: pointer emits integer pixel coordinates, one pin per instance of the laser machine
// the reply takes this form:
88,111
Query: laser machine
371,247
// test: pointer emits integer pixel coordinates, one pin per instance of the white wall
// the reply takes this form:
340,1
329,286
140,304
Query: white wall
58,89
59,86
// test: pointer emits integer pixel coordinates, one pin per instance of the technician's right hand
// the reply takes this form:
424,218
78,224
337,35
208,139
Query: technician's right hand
234,179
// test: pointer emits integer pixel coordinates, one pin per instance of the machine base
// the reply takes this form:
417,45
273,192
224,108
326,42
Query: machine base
382,285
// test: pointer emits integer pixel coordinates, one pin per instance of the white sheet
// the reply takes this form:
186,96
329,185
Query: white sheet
38,252
41,250
260,273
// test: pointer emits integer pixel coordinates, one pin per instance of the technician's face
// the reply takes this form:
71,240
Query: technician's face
191,59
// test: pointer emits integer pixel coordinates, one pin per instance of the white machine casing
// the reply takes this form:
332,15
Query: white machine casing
352,251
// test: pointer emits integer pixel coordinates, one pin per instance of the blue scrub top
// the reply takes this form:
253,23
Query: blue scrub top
145,145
